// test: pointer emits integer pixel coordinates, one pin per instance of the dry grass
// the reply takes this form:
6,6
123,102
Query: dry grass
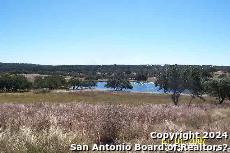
94,97
49,123
51,128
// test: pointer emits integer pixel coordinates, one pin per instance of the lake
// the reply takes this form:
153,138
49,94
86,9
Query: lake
137,87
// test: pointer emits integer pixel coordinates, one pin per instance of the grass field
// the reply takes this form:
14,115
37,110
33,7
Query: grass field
49,123
95,97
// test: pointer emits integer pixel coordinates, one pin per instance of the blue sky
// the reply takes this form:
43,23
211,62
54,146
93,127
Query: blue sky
115,31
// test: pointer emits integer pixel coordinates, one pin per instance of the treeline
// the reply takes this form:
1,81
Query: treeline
19,83
14,83
173,79
99,71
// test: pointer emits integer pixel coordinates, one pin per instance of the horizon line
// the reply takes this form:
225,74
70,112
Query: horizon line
107,64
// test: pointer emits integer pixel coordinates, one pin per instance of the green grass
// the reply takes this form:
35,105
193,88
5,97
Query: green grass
94,97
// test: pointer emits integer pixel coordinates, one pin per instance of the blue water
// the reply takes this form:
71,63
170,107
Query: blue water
137,87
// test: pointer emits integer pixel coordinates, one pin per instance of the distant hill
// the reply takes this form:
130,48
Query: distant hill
24,68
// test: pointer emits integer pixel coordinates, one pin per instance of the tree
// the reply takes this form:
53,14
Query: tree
141,76
13,83
219,88
118,82
195,79
172,80
39,83
51,82
88,83
176,79
6,82
75,83
20,83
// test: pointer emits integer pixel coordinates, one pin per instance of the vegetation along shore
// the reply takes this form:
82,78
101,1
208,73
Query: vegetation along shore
48,112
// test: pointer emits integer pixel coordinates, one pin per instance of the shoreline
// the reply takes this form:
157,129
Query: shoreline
114,91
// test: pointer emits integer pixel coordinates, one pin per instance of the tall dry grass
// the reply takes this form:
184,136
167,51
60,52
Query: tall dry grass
46,128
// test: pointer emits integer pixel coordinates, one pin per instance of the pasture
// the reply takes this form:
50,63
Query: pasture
95,97
50,122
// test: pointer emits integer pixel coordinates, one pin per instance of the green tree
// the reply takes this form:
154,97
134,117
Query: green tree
6,82
219,88
75,83
176,79
21,83
39,83
51,82
194,82
13,83
172,80
88,83
118,82
141,76
55,82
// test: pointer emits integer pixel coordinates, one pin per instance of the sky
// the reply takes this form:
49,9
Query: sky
74,32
